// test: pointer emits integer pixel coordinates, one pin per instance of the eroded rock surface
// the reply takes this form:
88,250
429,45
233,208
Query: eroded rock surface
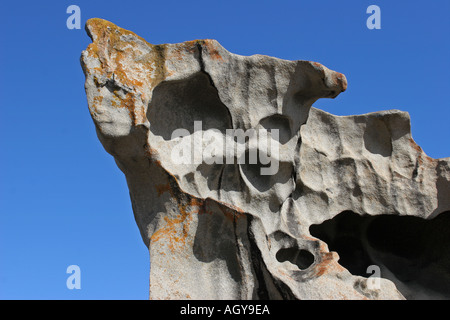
222,226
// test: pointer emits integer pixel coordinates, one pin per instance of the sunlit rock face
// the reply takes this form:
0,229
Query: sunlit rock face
241,190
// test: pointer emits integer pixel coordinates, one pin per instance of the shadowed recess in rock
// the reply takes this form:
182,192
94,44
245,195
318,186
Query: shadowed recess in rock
177,104
301,258
412,252
280,123
377,138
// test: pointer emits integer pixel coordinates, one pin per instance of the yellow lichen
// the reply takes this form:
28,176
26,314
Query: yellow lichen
122,61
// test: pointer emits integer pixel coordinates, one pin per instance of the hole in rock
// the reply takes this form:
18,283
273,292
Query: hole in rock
178,104
412,252
302,258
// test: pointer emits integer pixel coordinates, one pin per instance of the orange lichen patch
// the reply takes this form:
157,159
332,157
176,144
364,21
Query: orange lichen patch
175,231
140,116
341,80
130,62
422,156
420,160
180,50
212,49
328,260
137,113
200,206
177,53
96,102
327,264
322,267
196,202
92,50
414,145
132,73
96,27
192,45
127,102
316,64
322,245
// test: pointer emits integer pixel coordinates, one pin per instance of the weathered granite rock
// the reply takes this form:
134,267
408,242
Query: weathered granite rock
220,225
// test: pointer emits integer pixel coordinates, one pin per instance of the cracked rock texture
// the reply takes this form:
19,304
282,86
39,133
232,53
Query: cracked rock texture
223,229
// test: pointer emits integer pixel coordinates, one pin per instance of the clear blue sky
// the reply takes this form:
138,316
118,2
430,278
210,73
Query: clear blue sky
63,201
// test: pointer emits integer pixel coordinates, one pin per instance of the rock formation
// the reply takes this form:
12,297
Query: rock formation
242,190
